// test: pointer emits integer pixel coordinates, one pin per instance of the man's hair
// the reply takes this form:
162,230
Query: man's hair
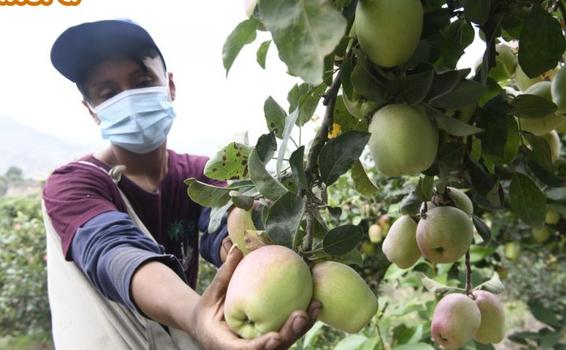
136,56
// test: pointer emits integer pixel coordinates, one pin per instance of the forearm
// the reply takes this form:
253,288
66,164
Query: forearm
164,297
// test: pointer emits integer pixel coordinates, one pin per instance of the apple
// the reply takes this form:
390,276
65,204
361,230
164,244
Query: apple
506,63
348,304
359,106
444,234
492,326
267,286
375,233
239,223
552,216
403,141
455,321
389,31
544,124
522,79
461,200
512,250
542,234
400,244
554,143
558,90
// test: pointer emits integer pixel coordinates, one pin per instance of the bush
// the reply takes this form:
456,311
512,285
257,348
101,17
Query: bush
23,275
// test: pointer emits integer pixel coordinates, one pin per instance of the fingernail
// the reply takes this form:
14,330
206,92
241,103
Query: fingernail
299,324
272,344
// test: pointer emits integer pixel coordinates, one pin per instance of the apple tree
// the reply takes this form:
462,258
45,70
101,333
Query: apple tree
454,162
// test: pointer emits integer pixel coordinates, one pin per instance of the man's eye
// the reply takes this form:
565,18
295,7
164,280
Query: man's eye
145,83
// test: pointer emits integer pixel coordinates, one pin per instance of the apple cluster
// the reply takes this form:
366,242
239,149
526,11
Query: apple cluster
459,318
272,281
442,235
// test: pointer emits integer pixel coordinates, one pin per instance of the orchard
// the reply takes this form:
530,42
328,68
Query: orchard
464,168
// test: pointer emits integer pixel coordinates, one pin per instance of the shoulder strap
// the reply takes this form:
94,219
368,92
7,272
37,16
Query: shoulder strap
116,175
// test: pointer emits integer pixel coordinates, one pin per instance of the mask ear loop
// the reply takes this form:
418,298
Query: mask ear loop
92,112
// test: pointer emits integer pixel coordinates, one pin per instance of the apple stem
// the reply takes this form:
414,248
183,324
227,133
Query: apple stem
468,275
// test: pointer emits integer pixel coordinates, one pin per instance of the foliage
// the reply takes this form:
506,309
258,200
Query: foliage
23,278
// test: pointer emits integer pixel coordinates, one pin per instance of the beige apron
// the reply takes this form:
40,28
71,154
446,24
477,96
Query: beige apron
84,319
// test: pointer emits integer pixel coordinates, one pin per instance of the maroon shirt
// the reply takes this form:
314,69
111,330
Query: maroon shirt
76,192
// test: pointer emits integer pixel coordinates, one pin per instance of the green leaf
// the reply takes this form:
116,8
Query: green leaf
482,228
340,240
216,215
298,168
365,84
424,188
532,106
305,98
207,195
241,200
527,200
338,155
243,34
351,342
353,257
289,124
460,32
453,126
305,32
541,43
446,82
541,313
414,346
540,152
361,180
437,287
312,334
410,204
262,53
274,116
265,183
229,163
284,218
477,11
494,285
413,88
466,93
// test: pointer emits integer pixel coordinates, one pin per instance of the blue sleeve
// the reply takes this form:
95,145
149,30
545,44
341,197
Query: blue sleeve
211,242
109,248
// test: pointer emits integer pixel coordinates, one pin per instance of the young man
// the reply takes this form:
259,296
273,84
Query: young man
122,233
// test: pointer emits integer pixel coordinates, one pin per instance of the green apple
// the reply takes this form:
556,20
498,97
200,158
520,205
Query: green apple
554,143
375,233
389,30
558,90
455,321
348,304
522,79
544,124
506,62
542,234
403,141
492,326
561,129
267,286
358,106
461,200
239,223
512,250
400,244
444,234
552,216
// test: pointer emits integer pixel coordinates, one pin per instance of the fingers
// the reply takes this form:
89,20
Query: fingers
314,309
217,288
269,341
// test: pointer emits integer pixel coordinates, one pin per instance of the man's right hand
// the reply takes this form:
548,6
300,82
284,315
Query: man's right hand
208,326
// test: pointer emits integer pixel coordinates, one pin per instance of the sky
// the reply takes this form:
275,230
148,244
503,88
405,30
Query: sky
212,109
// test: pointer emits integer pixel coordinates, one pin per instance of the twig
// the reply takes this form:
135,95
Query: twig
468,275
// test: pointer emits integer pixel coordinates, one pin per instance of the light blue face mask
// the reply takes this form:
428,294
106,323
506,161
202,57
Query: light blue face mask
137,120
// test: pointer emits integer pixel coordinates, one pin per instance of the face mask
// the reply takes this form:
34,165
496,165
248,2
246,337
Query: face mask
137,120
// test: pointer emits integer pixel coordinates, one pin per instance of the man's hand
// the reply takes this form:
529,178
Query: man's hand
207,323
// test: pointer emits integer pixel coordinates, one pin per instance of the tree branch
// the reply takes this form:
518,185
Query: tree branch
468,275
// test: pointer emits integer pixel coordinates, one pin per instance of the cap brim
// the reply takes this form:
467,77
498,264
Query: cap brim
82,46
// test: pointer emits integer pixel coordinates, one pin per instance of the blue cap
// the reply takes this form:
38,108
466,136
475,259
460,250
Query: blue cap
82,46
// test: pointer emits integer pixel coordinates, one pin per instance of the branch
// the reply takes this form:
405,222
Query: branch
320,139
468,275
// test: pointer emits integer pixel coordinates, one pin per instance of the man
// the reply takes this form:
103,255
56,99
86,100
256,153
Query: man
122,233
